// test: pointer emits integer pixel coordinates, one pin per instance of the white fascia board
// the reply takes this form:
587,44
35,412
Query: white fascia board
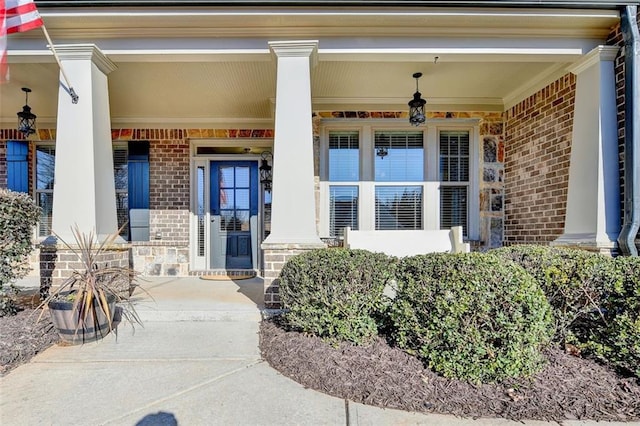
327,21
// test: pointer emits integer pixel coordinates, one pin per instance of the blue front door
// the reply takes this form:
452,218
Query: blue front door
234,212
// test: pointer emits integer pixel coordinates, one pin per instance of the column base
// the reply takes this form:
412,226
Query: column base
275,255
606,245
57,261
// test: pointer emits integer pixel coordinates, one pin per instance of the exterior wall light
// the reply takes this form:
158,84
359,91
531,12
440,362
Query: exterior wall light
416,105
266,171
26,119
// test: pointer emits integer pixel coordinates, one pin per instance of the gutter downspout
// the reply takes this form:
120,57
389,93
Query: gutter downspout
631,220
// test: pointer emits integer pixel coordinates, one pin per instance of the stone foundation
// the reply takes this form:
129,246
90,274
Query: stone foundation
160,258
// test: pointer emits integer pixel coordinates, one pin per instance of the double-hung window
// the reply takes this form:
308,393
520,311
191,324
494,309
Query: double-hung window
344,176
399,176
454,178
44,180
379,178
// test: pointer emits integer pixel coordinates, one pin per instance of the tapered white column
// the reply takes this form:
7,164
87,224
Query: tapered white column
84,190
592,219
293,212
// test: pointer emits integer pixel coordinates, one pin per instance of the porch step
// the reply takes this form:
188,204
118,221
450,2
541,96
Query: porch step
224,274
193,299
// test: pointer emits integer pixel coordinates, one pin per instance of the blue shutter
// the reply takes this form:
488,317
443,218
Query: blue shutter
17,166
138,176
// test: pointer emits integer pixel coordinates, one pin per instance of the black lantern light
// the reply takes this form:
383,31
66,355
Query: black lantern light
416,105
26,119
266,171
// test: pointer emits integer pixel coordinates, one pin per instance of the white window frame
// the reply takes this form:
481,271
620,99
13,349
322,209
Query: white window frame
431,183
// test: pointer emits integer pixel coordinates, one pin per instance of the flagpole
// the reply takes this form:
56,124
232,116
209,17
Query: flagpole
74,96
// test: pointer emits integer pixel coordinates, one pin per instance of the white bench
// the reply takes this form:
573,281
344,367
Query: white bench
407,243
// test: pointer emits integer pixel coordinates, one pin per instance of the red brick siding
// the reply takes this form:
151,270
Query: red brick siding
169,174
615,39
538,147
3,164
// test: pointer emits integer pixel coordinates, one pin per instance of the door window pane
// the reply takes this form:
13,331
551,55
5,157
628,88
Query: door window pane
398,207
344,156
343,209
404,159
242,177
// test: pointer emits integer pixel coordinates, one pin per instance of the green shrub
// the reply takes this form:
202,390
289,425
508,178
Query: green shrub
335,293
573,280
471,316
18,216
614,337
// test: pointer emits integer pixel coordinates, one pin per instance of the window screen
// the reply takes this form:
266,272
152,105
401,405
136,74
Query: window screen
453,207
344,157
398,207
404,161
454,156
343,209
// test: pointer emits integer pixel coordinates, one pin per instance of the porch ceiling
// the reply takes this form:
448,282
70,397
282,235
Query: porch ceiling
203,67
198,93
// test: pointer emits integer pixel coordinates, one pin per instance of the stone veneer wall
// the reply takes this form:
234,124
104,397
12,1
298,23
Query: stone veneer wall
538,147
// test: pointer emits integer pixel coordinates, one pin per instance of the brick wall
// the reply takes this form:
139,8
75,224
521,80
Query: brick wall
615,39
537,147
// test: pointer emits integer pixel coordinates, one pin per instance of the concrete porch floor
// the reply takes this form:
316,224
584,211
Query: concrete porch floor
196,299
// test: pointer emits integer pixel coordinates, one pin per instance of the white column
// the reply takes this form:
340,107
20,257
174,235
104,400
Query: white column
84,190
592,219
293,208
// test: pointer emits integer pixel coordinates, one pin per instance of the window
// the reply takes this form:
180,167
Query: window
44,180
392,177
344,166
405,156
344,157
398,207
45,167
454,177
121,175
343,210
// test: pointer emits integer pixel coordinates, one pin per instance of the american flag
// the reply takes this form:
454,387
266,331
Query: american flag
15,16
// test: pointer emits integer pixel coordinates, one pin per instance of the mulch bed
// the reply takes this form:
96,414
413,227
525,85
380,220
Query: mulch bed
567,388
21,336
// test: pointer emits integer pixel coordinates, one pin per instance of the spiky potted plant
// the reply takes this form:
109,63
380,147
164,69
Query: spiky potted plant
83,307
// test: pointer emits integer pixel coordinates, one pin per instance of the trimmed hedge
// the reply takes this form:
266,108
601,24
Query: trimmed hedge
471,316
18,216
614,336
574,281
336,294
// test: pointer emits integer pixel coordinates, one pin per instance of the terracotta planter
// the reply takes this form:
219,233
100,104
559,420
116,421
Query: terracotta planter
65,319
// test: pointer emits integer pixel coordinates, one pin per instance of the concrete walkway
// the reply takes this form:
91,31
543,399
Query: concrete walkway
195,362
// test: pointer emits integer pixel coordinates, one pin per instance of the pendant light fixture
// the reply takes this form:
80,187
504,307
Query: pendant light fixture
26,119
416,105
